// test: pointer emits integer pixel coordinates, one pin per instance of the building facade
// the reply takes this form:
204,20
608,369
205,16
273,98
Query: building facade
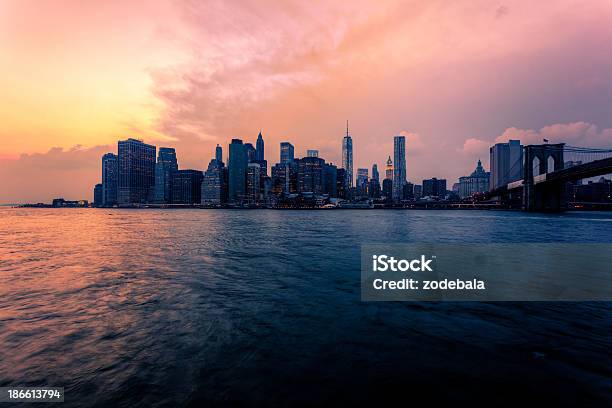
434,188
399,167
506,160
213,189
477,182
110,179
165,166
259,148
187,187
136,175
237,171
286,152
310,175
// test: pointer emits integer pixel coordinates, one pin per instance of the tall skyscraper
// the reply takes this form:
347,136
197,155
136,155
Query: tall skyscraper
136,164
237,170
253,182
219,154
166,164
110,178
286,152
375,175
506,163
213,185
399,167
259,151
389,169
347,157
310,175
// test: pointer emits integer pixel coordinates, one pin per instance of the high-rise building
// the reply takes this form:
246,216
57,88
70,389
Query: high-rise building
399,167
341,182
435,188
286,152
330,180
387,188
312,153
219,154
280,178
506,163
237,170
362,182
374,188
250,152
253,182
187,187
110,179
165,166
418,191
477,182
97,195
408,193
347,157
310,175
375,175
259,151
136,164
213,184
389,169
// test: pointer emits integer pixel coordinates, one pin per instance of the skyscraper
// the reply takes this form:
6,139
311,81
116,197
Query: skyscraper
310,175
136,164
434,188
362,182
250,152
187,187
259,151
110,176
506,163
389,169
213,186
286,152
399,167
347,157
219,154
330,180
253,182
166,164
237,170
97,195
375,175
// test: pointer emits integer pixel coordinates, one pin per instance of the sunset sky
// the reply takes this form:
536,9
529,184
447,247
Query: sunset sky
453,76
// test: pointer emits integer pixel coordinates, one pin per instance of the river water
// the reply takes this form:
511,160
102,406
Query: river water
130,308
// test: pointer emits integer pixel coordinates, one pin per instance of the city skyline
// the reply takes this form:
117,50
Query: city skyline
195,75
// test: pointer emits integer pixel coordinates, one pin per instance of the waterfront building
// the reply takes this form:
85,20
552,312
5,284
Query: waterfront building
408,192
399,167
341,182
477,182
213,185
97,195
330,180
310,175
375,175
136,175
236,171
280,179
347,157
312,153
387,188
362,182
389,169
418,191
374,188
434,188
259,150
506,160
110,179
253,183
165,166
286,152
187,187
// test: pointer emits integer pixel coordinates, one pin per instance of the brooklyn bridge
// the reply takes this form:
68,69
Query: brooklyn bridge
547,171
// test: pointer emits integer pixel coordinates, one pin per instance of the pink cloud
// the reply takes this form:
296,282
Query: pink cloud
580,134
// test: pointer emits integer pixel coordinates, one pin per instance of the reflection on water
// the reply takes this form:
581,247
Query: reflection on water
184,307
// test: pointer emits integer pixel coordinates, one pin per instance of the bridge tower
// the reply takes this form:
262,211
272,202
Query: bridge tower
538,161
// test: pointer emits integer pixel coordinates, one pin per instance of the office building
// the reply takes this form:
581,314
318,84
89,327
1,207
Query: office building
408,192
341,182
219,154
286,152
136,164
97,195
310,175
387,188
330,180
259,148
418,191
375,174
236,171
506,160
110,179
165,166
213,184
347,158
362,182
434,188
389,169
253,183
250,152
477,182
399,167
187,187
